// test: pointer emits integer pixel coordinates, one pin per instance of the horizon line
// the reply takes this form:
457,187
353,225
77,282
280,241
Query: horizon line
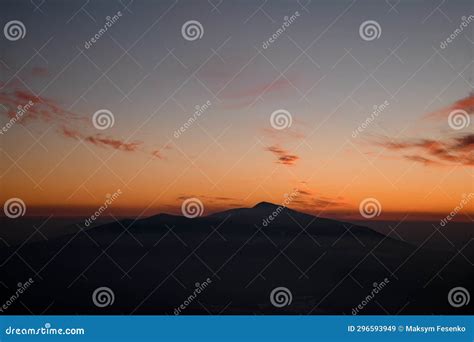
79,211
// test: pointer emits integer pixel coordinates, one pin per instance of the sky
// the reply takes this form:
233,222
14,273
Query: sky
322,76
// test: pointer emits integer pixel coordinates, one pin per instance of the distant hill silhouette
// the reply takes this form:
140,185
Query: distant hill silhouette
153,264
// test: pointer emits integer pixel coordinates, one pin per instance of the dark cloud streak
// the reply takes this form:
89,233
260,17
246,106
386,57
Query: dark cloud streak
284,157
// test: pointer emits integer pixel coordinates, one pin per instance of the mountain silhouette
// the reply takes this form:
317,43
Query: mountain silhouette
153,265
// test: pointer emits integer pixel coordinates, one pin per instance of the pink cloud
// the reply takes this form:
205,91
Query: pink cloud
457,150
283,156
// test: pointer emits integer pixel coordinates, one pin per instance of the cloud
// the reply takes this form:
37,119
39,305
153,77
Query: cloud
465,143
319,203
98,140
211,203
39,107
466,104
457,150
421,160
43,109
157,154
325,203
209,198
70,133
102,141
284,157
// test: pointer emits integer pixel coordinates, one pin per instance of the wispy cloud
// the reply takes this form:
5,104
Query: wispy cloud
70,125
284,157
209,198
466,104
157,154
422,160
457,150
43,109
102,141
310,202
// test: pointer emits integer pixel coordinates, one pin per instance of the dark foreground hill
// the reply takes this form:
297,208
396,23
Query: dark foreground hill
154,265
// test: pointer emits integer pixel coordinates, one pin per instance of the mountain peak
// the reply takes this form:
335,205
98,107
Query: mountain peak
265,205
